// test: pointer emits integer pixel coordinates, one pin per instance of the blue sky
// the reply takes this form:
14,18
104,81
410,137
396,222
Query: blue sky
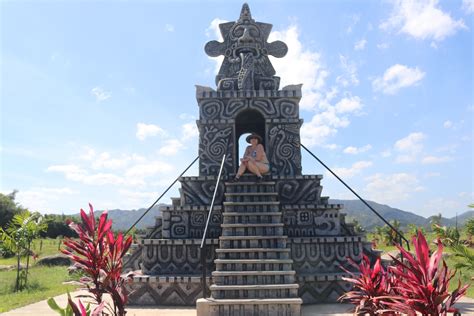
98,99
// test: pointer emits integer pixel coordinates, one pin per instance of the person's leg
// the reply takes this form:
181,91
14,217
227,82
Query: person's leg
252,166
263,167
241,170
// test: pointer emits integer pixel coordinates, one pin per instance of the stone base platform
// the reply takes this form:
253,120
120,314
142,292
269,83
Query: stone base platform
249,307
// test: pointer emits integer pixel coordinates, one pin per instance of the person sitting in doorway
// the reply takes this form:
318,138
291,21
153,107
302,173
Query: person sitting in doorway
255,160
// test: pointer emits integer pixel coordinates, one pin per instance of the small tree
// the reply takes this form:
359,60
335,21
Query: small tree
18,236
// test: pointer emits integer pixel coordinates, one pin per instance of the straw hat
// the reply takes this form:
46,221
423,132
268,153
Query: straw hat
253,135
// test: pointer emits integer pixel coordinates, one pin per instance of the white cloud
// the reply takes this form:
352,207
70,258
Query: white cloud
447,207
383,46
409,147
214,33
100,94
422,19
434,159
397,77
171,147
360,45
357,150
300,65
354,20
448,124
349,105
356,168
189,131
169,28
148,169
106,161
325,124
38,199
322,126
78,174
387,188
386,153
349,77
468,6
148,130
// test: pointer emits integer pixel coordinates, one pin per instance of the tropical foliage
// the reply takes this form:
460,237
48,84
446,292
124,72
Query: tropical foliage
98,254
418,284
17,238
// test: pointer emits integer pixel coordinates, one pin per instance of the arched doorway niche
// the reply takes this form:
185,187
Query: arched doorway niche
248,121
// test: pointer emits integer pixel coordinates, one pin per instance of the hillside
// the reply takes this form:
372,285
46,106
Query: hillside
354,209
123,219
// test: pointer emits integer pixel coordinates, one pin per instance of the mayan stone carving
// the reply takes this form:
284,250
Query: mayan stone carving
282,224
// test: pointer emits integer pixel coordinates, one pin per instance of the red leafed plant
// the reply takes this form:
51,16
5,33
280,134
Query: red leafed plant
98,254
423,280
369,286
416,285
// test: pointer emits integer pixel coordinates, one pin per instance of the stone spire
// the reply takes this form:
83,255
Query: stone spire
246,65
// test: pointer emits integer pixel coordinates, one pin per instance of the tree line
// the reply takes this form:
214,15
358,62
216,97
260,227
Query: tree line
56,225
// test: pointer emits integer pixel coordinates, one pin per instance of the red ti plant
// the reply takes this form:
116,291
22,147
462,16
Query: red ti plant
423,282
416,285
98,254
370,286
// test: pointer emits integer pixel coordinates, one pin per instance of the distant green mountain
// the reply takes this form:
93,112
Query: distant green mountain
123,219
355,209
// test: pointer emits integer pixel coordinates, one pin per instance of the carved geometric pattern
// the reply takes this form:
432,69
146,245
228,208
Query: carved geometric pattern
179,259
284,155
164,293
327,257
287,107
299,191
201,192
322,291
215,141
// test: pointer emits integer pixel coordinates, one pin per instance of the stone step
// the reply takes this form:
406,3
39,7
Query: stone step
253,277
249,187
251,207
250,307
254,217
251,203
253,253
253,241
272,229
251,197
258,291
253,264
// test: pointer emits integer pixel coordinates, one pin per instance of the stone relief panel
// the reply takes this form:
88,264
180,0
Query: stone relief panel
179,223
176,258
264,106
284,155
299,191
324,255
199,192
311,222
215,141
171,291
288,108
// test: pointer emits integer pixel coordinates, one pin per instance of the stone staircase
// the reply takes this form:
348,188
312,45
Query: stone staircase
254,274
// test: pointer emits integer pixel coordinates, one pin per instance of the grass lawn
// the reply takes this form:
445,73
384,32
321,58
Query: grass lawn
43,247
43,282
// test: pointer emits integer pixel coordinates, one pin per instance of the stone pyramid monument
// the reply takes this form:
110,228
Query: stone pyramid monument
272,245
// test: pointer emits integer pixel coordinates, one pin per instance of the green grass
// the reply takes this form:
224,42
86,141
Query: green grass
43,282
48,247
